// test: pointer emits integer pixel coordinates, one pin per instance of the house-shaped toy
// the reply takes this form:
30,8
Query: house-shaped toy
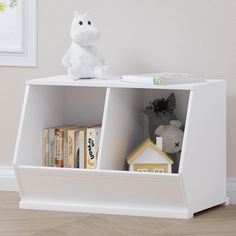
148,157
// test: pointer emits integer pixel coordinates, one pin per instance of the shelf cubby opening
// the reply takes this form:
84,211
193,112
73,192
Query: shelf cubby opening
125,126
51,106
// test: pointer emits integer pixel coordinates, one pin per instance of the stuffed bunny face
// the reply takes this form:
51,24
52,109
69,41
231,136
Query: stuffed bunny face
83,30
172,136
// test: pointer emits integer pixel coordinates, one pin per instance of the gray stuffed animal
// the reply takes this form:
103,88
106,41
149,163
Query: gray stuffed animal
172,137
160,112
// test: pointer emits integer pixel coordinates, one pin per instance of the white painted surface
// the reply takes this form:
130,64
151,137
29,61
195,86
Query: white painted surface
64,80
7,179
203,158
113,210
99,191
123,128
231,190
187,192
8,183
48,106
150,156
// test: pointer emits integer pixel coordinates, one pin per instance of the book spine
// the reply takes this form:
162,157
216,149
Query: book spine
59,145
66,154
85,148
97,141
91,149
46,147
71,149
82,149
51,150
77,149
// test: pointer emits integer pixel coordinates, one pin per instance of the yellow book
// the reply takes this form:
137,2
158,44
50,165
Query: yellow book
72,153
46,147
59,147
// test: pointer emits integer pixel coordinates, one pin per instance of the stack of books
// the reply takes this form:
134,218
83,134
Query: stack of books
71,146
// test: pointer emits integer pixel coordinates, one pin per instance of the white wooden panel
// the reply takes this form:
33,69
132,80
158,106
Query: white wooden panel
202,179
123,127
103,191
64,80
84,105
43,107
203,162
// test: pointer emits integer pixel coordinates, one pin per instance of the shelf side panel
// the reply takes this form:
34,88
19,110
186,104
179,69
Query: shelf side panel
122,127
43,108
203,162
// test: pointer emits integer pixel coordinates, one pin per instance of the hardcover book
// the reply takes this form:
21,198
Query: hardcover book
46,147
72,147
92,145
51,150
59,147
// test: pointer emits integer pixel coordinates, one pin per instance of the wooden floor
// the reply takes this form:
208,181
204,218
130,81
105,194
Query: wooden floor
218,221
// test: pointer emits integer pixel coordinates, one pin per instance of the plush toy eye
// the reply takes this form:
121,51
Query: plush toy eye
81,22
89,22
177,144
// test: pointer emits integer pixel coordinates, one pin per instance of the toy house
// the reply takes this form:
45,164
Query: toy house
147,157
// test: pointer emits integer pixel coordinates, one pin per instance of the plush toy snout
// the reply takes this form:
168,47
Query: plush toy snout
172,136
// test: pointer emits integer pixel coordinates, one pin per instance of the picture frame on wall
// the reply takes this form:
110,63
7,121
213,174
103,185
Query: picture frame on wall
18,38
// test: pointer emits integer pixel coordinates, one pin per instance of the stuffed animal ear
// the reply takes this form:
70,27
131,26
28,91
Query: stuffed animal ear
75,13
176,123
159,130
171,102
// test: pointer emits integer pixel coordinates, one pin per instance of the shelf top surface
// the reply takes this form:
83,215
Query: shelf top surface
64,80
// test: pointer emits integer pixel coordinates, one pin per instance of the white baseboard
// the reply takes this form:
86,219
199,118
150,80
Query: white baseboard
7,179
231,190
8,183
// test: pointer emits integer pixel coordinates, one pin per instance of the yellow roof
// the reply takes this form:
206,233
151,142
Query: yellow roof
144,146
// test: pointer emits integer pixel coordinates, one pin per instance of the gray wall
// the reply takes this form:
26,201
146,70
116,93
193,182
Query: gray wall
193,36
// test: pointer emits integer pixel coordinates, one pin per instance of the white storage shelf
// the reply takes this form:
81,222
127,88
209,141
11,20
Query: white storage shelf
200,183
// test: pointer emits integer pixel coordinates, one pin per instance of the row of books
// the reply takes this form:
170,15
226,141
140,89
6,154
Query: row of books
71,146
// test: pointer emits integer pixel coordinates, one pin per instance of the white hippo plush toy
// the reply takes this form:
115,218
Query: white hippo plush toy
83,59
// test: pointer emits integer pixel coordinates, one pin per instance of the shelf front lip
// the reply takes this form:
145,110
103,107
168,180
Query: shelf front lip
71,171
63,80
163,212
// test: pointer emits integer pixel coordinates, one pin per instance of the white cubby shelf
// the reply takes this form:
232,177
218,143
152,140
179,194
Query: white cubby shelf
110,189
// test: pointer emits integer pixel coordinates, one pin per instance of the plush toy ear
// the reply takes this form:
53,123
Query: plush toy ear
159,130
176,123
171,102
75,13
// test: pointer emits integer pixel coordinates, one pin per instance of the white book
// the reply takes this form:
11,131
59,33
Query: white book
92,143
163,78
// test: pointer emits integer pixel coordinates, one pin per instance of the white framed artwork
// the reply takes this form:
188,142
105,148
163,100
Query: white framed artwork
18,37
